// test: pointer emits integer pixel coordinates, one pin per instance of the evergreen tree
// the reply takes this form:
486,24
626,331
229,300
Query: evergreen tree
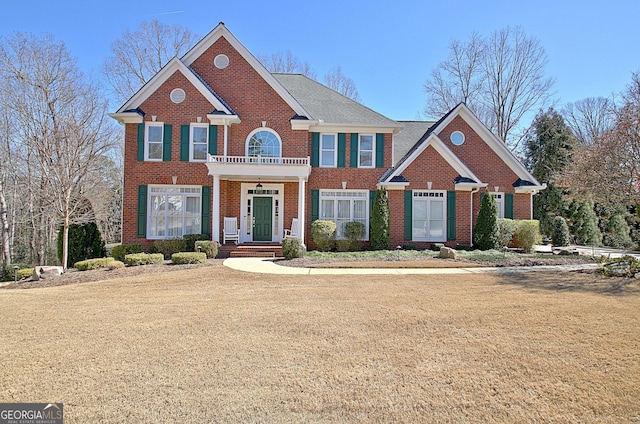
617,235
560,235
380,238
485,233
548,148
584,223
85,242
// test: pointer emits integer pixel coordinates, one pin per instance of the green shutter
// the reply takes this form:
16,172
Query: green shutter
206,210
451,215
166,143
315,149
184,142
315,205
353,157
213,139
140,142
508,206
142,211
342,149
379,150
408,215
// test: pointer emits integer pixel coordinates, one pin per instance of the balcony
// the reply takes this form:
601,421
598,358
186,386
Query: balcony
251,167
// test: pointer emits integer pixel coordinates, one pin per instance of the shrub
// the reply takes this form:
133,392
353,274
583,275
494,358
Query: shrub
8,273
168,247
528,234
210,248
184,258
560,232
380,238
115,265
191,239
292,248
617,235
85,242
343,245
136,259
121,250
355,232
485,233
584,224
96,263
323,233
506,228
409,246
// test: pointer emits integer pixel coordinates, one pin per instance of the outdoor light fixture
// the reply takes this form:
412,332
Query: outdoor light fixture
429,184
344,185
174,179
15,273
258,189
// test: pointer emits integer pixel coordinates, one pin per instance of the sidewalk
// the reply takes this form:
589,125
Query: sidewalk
267,266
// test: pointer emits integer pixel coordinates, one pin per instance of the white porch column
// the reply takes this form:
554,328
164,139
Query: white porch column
301,206
215,210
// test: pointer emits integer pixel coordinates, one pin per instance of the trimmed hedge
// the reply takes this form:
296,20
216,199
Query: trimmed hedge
528,234
323,233
183,258
354,231
506,229
136,259
92,264
121,250
207,246
168,247
292,248
191,239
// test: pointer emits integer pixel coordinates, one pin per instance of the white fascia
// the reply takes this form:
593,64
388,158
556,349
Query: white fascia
174,65
127,117
221,119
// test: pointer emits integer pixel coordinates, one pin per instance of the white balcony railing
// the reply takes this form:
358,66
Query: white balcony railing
258,160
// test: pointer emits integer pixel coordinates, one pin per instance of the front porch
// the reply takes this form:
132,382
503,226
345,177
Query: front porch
250,250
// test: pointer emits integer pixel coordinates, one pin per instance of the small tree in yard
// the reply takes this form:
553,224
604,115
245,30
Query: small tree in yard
485,233
584,223
85,242
560,233
380,221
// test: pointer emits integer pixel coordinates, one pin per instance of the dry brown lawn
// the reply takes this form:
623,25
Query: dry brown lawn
210,344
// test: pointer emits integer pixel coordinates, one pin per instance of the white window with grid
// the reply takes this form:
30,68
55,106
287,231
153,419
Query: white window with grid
499,203
199,143
174,211
343,206
366,151
328,150
153,136
429,215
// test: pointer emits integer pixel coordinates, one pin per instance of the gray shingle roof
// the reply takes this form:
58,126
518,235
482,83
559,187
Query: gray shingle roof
330,106
408,137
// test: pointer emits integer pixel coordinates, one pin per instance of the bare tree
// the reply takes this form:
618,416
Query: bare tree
590,118
501,78
5,234
140,54
339,82
286,63
63,127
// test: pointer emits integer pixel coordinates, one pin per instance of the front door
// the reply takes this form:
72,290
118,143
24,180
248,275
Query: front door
262,218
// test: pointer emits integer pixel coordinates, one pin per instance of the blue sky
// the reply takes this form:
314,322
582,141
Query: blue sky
388,47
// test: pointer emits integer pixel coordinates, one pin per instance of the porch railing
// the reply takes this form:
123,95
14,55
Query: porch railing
259,160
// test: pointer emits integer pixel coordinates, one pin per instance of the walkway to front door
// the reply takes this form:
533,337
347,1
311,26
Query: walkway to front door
262,218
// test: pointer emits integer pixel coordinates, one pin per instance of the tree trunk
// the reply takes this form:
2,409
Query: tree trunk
4,229
65,241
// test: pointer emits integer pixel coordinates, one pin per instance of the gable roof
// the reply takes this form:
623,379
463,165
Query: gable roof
404,141
174,65
221,31
330,108
485,134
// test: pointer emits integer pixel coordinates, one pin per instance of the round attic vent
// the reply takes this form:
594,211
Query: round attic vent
221,61
178,95
457,137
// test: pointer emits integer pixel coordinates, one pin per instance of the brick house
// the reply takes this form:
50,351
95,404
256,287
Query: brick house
215,135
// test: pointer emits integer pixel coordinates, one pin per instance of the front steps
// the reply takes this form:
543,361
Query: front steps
250,250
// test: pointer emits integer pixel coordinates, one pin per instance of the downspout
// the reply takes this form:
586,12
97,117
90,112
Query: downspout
473,191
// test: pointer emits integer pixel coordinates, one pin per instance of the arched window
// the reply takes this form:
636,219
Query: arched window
264,143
